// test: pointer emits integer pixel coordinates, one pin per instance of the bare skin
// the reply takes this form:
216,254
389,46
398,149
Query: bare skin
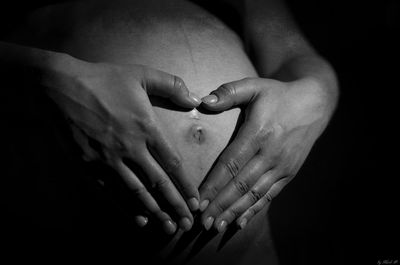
287,108
269,149
124,124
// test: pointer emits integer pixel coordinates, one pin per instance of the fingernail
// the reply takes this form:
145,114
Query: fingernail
208,223
169,227
141,221
221,227
210,99
195,97
193,204
243,223
185,224
203,205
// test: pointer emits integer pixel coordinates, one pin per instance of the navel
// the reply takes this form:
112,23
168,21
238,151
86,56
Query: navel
196,134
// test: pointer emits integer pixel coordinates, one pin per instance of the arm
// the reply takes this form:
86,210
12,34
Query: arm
109,104
278,48
286,110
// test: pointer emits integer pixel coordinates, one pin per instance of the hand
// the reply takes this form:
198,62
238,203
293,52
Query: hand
113,122
282,122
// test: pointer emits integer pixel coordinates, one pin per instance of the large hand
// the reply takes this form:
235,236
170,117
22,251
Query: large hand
282,122
108,105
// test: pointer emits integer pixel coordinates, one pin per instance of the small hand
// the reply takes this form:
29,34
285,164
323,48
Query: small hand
282,122
108,105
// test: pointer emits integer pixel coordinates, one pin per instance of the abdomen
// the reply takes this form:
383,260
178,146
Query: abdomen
175,37
181,39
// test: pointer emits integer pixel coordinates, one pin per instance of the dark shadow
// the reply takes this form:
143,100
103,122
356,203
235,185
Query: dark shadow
229,233
200,243
169,105
197,231
166,104
200,238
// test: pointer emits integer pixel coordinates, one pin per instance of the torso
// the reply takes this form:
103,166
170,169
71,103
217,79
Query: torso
182,39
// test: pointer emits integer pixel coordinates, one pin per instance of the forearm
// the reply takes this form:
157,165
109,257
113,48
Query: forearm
279,49
33,60
271,35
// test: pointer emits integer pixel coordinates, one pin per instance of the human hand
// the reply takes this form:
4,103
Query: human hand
113,122
282,122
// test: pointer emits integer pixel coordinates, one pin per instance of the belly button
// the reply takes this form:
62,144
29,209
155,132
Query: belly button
196,134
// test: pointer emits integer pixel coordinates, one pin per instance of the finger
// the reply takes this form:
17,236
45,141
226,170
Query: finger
141,193
229,164
246,217
141,220
253,210
244,203
162,184
232,94
171,161
89,154
159,83
235,189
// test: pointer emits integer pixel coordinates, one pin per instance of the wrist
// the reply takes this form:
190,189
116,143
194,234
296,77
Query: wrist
55,63
60,70
314,71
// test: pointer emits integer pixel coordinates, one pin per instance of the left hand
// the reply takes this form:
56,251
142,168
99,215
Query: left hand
282,122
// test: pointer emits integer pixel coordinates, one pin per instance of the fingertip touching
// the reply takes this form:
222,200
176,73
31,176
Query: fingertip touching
230,95
222,98
182,96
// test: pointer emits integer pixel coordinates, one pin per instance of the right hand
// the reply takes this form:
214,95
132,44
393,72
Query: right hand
109,104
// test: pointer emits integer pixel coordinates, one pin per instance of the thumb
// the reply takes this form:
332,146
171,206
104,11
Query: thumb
162,84
232,94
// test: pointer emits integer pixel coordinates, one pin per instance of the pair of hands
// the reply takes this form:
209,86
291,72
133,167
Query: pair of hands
113,121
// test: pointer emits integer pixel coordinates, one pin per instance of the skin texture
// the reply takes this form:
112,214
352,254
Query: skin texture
108,104
282,122
287,109
205,55
282,118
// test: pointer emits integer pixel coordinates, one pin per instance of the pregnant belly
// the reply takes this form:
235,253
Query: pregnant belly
182,39
173,36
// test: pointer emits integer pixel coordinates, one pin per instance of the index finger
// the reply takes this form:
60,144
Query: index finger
171,161
172,87
230,163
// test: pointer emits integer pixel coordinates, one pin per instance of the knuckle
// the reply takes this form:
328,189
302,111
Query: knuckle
219,208
148,125
263,134
139,192
232,167
268,197
178,82
160,184
241,186
174,163
227,90
255,196
234,213
210,190
251,212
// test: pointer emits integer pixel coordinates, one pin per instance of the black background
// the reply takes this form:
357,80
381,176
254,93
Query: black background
346,203
342,207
